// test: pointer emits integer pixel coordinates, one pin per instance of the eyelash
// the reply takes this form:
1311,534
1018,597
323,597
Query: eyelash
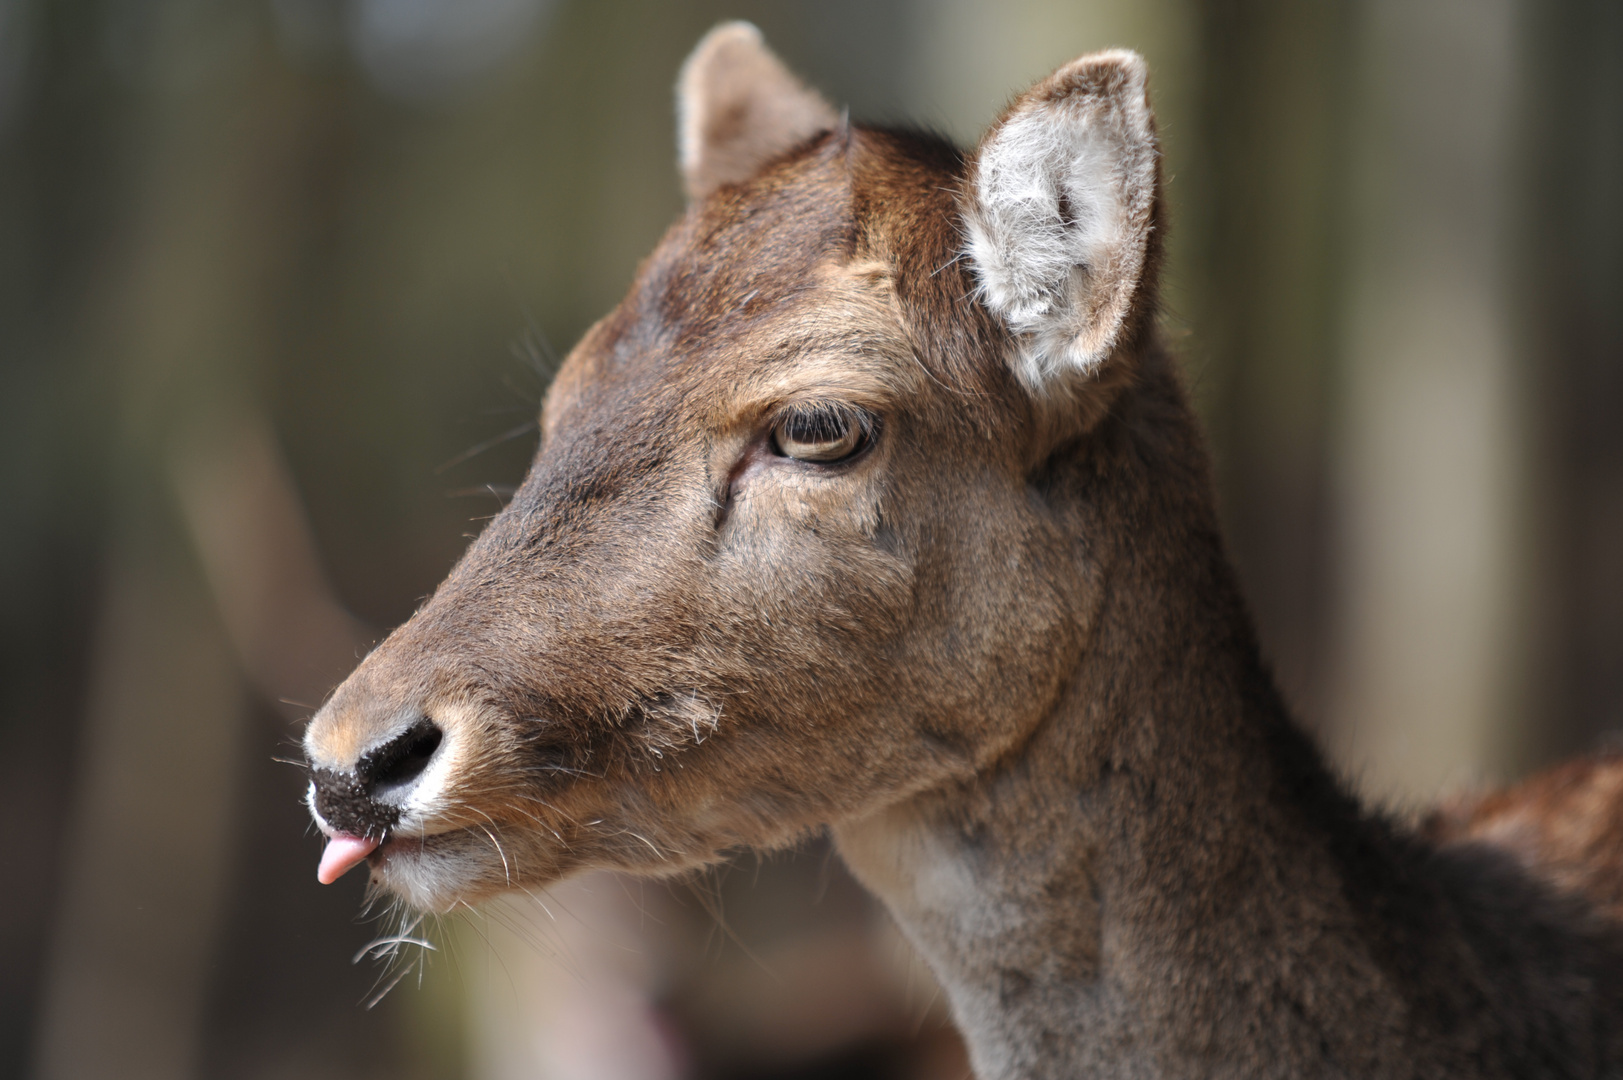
823,433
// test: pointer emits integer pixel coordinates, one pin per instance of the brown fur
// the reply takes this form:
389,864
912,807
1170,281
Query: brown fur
1001,653
1564,825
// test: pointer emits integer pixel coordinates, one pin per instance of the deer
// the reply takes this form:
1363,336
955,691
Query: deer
878,506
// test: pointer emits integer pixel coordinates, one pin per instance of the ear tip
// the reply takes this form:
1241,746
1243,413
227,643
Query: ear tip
727,46
733,32
1125,60
1121,69
738,105
732,37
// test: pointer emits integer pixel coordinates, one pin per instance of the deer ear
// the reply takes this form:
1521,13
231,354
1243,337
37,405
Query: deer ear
1060,205
738,107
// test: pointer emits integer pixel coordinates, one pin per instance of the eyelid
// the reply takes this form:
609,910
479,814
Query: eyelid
761,444
859,423
865,418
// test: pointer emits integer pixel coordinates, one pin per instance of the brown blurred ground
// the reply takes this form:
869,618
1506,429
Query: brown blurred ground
270,270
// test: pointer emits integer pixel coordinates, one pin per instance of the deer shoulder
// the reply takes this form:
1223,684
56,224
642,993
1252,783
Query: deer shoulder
1563,825
878,506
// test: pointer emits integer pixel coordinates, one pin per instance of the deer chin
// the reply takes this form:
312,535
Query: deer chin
443,871
444,865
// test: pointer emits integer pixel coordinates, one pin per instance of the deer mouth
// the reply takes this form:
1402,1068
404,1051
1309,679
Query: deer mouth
342,854
395,855
442,870
345,852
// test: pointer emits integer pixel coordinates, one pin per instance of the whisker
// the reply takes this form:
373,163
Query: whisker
647,841
540,903
394,982
567,817
507,870
515,808
565,769
392,944
711,903
946,264
496,491
480,447
535,349
490,946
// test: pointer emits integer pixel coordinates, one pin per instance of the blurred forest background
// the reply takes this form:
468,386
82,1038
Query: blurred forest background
281,284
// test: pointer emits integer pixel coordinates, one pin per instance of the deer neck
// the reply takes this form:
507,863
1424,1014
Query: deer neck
1120,893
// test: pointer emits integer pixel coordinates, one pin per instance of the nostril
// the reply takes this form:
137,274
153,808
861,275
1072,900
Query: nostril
403,759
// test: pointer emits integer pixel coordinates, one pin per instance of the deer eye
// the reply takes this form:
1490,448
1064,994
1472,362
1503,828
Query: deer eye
822,434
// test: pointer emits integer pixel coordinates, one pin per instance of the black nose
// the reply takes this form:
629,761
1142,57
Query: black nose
358,803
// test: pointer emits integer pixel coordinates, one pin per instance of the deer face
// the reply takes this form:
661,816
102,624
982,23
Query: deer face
778,561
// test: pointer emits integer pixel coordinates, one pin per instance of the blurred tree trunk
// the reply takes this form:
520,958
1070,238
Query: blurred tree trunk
1266,248
154,815
1570,282
58,190
1408,312
1432,428
182,323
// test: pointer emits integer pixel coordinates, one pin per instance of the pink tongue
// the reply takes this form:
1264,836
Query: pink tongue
342,853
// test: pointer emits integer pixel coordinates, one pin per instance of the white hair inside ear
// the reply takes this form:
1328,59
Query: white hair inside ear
1061,205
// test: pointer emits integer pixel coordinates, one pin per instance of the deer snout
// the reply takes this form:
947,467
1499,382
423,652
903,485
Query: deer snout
366,801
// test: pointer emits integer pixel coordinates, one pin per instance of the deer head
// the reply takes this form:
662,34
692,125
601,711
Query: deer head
792,549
